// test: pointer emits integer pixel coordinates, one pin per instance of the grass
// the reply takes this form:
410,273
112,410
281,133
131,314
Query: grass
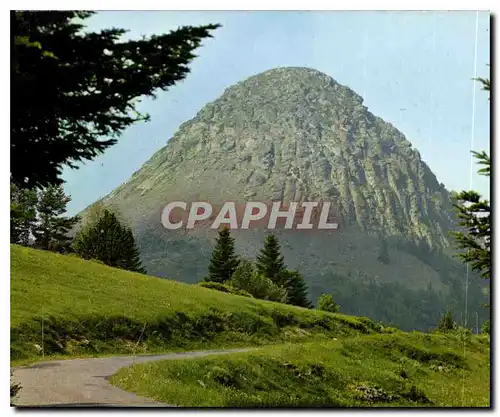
63,306
390,370
306,357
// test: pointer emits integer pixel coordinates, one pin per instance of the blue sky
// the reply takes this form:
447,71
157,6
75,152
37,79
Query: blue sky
422,62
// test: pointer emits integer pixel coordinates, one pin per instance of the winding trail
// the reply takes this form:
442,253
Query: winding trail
84,382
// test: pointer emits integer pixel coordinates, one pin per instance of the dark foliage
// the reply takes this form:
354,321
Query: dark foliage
74,92
110,242
270,261
296,289
52,229
474,216
224,261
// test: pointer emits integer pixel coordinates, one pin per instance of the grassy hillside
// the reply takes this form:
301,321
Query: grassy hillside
63,305
391,370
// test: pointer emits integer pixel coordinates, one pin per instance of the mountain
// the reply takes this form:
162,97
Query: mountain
295,134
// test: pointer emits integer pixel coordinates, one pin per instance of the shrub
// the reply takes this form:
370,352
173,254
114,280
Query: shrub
326,303
446,324
246,279
462,333
243,275
265,289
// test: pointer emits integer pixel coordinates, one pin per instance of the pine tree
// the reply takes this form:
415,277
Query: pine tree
131,257
110,242
93,214
22,214
51,231
73,87
296,288
270,261
474,216
224,260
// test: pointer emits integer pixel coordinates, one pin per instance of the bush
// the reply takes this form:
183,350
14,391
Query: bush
224,288
462,333
446,324
262,287
245,278
326,303
243,275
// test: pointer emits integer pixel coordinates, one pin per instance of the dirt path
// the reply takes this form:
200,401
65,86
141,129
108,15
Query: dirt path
84,382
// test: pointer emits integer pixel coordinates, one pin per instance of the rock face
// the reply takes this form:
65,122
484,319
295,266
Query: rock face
294,134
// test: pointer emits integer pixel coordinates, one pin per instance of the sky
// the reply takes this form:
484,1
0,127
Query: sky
414,70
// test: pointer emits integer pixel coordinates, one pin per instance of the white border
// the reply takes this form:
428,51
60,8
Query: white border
184,5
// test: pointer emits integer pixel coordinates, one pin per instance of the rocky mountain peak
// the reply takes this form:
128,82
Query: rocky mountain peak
295,134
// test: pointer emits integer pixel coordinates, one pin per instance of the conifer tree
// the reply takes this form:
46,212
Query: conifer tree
474,214
51,231
296,288
224,260
110,242
93,213
270,261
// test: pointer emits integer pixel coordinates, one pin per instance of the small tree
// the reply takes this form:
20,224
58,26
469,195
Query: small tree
224,260
245,278
326,303
51,231
446,324
262,287
109,242
296,288
270,261
243,275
